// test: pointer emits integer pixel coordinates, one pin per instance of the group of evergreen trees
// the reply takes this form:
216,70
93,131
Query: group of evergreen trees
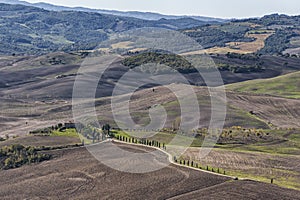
152,143
197,165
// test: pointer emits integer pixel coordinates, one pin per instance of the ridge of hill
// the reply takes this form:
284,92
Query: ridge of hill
135,14
37,31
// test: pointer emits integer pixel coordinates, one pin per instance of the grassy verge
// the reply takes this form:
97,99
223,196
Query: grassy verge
286,182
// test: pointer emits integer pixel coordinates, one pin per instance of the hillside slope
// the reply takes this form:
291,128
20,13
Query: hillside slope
36,31
135,14
76,174
285,86
271,34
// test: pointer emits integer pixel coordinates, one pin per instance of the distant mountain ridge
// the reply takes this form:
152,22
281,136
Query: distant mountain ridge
27,29
32,30
135,14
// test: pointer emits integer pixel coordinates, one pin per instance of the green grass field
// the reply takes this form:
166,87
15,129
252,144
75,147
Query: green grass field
66,133
287,182
284,86
71,133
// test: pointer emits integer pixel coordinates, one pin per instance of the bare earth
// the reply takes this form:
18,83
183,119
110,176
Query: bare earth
75,174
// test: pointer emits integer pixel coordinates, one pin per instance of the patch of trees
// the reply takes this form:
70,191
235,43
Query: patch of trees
175,62
279,19
211,36
106,129
65,75
274,19
278,42
92,133
242,56
241,68
45,31
42,131
17,155
49,130
49,148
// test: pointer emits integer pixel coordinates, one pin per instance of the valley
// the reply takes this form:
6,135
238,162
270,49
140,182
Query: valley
50,150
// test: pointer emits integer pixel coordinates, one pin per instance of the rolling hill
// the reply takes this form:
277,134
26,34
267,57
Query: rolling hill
34,30
271,34
285,86
52,75
75,173
42,48
37,31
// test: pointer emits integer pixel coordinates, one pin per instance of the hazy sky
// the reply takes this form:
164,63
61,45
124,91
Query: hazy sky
215,8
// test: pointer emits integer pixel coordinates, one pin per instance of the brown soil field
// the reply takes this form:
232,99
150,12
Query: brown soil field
251,190
75,174
34,77
280,112
284,169
268,110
